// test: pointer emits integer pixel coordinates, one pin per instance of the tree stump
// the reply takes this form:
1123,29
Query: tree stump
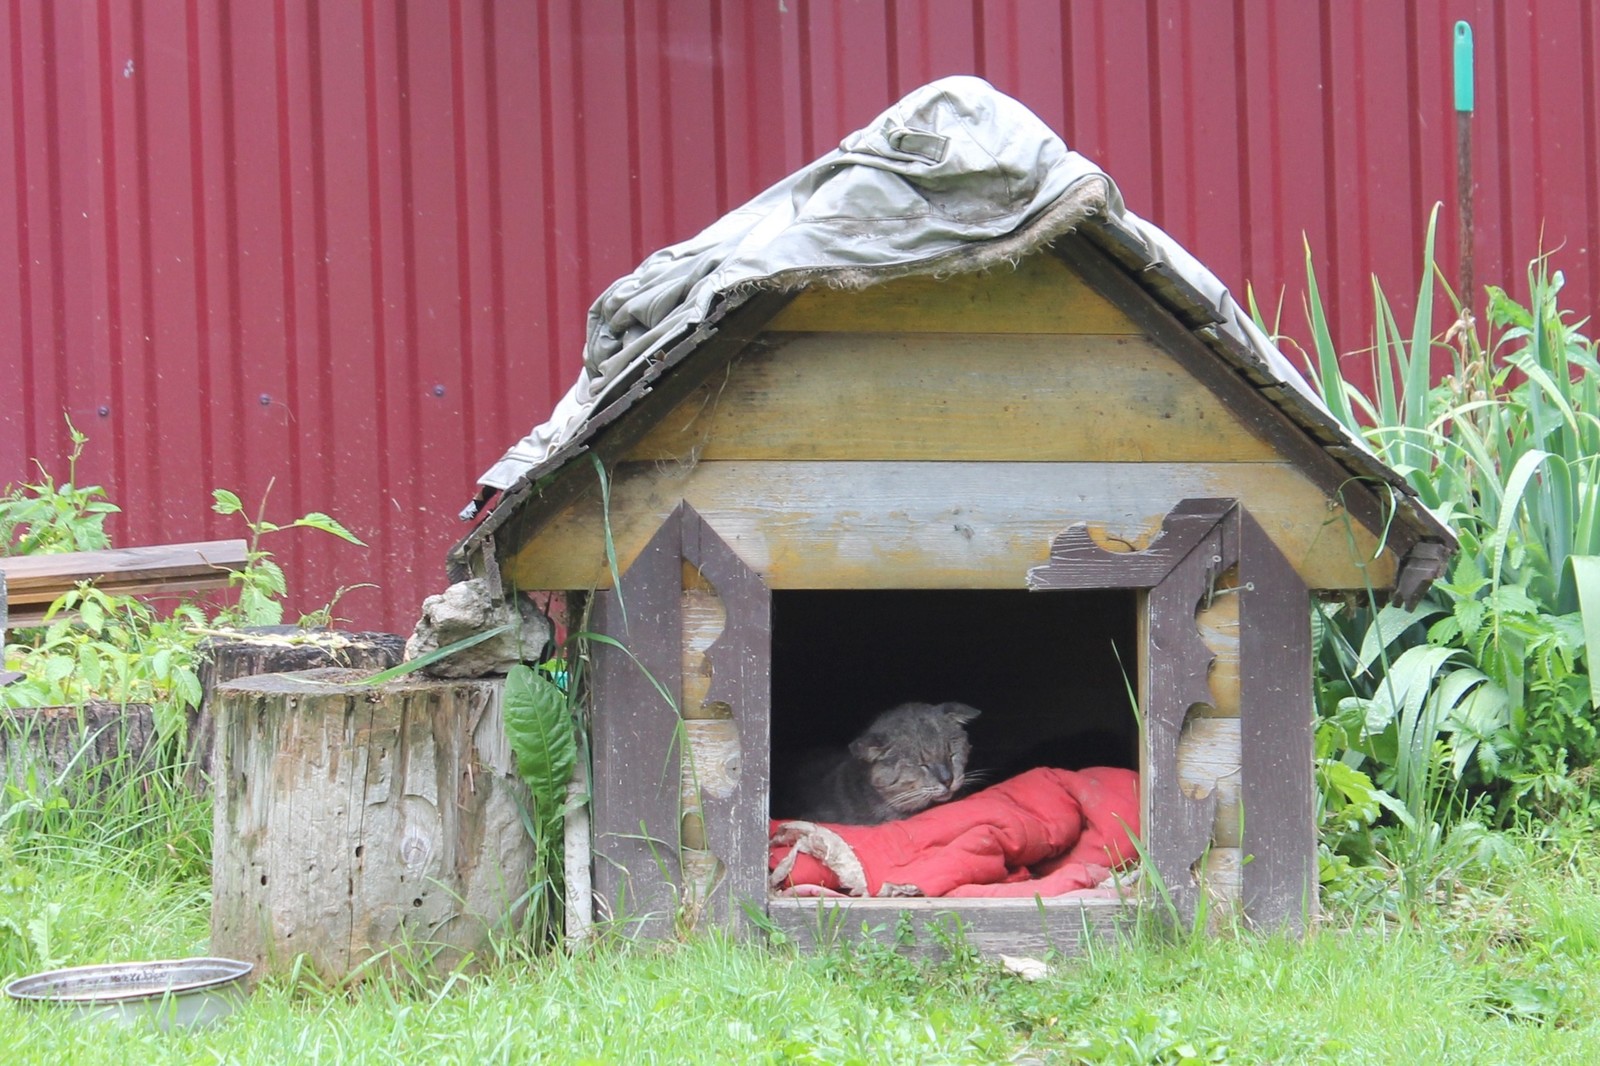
74,746
353,821
273,650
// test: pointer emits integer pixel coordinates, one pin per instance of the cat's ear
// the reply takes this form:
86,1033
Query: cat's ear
960,712
869,747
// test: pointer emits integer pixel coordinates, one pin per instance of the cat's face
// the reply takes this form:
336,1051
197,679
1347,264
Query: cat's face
917,753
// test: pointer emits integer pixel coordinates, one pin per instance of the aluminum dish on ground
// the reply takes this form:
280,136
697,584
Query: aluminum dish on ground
173,993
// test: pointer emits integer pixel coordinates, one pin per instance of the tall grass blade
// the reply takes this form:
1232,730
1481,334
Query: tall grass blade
1330,381
383,677
611,546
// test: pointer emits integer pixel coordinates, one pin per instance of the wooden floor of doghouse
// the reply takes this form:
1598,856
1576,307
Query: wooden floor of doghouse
988,926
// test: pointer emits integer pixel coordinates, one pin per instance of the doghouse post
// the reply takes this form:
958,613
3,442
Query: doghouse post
681,786
1227,771
353,821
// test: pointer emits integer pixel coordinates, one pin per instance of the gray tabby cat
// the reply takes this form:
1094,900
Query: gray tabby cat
908,759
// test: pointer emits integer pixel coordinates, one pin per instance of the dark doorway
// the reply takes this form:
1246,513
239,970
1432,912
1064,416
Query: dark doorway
1051,671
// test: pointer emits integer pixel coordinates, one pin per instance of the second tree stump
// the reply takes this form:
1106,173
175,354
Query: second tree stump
354,820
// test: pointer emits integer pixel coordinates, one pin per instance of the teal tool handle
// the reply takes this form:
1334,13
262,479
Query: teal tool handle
1464,67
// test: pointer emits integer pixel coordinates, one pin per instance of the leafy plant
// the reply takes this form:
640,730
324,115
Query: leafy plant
543,737
261,583
44,517
1486,689
97,646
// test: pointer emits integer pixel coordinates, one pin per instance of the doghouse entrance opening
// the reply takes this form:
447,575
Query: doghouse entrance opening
1051,672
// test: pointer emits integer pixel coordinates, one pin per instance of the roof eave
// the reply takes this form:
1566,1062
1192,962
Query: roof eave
684,363
1113,260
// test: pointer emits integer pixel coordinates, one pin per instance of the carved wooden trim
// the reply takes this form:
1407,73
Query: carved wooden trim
1199,541
741,674
1178,825
1078,562
642,777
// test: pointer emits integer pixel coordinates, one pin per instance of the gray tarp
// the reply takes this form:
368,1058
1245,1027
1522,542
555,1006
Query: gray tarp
955,177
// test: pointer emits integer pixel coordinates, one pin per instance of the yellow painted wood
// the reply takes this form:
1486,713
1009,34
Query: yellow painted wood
1222,875
1209,760
1219,630
703,621
953,397
1042,295
929,524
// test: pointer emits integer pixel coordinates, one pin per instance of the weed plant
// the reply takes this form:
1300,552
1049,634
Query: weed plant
46,516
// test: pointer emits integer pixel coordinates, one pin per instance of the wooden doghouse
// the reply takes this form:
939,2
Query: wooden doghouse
1036,488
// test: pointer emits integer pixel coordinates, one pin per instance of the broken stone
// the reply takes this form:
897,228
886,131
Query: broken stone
466,609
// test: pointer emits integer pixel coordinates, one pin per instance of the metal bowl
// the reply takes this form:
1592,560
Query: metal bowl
173,993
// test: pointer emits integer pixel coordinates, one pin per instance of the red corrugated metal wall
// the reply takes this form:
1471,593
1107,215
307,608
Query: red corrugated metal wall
349,245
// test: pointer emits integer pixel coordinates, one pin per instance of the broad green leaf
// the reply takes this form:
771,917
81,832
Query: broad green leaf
187,688
226,502
90,666
93,614
1389,803
1481,714
258,608
1504,311
1586,573
541,734
1455,686
1386,627
1516,486
269,576
1412,675
318,520
1350,785
1513,599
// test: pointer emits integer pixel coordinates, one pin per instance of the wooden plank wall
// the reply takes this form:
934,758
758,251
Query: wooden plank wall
937,434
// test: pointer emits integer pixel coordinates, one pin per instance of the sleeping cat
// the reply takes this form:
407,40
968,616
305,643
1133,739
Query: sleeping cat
908,759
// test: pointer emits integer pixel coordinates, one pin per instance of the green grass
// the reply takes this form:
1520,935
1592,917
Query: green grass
1502,972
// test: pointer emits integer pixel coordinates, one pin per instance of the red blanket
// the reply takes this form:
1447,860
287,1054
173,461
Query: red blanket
1044,832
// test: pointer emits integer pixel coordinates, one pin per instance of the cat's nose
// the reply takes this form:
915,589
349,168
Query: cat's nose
941,773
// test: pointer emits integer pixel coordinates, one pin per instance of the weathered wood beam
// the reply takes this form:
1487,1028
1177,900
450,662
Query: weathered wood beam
637,741
952,397
930,524
34,582
988,926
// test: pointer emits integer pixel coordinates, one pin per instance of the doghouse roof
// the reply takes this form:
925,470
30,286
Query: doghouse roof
956,178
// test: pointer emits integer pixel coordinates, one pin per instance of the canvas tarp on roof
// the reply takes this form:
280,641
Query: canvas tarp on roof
955,177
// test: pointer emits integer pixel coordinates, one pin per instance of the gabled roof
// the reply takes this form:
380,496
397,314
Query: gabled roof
954,178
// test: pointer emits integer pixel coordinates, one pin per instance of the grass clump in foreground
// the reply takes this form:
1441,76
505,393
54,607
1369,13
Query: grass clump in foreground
1498,970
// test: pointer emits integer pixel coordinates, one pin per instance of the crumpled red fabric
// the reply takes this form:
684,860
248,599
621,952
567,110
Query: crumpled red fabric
1044,832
